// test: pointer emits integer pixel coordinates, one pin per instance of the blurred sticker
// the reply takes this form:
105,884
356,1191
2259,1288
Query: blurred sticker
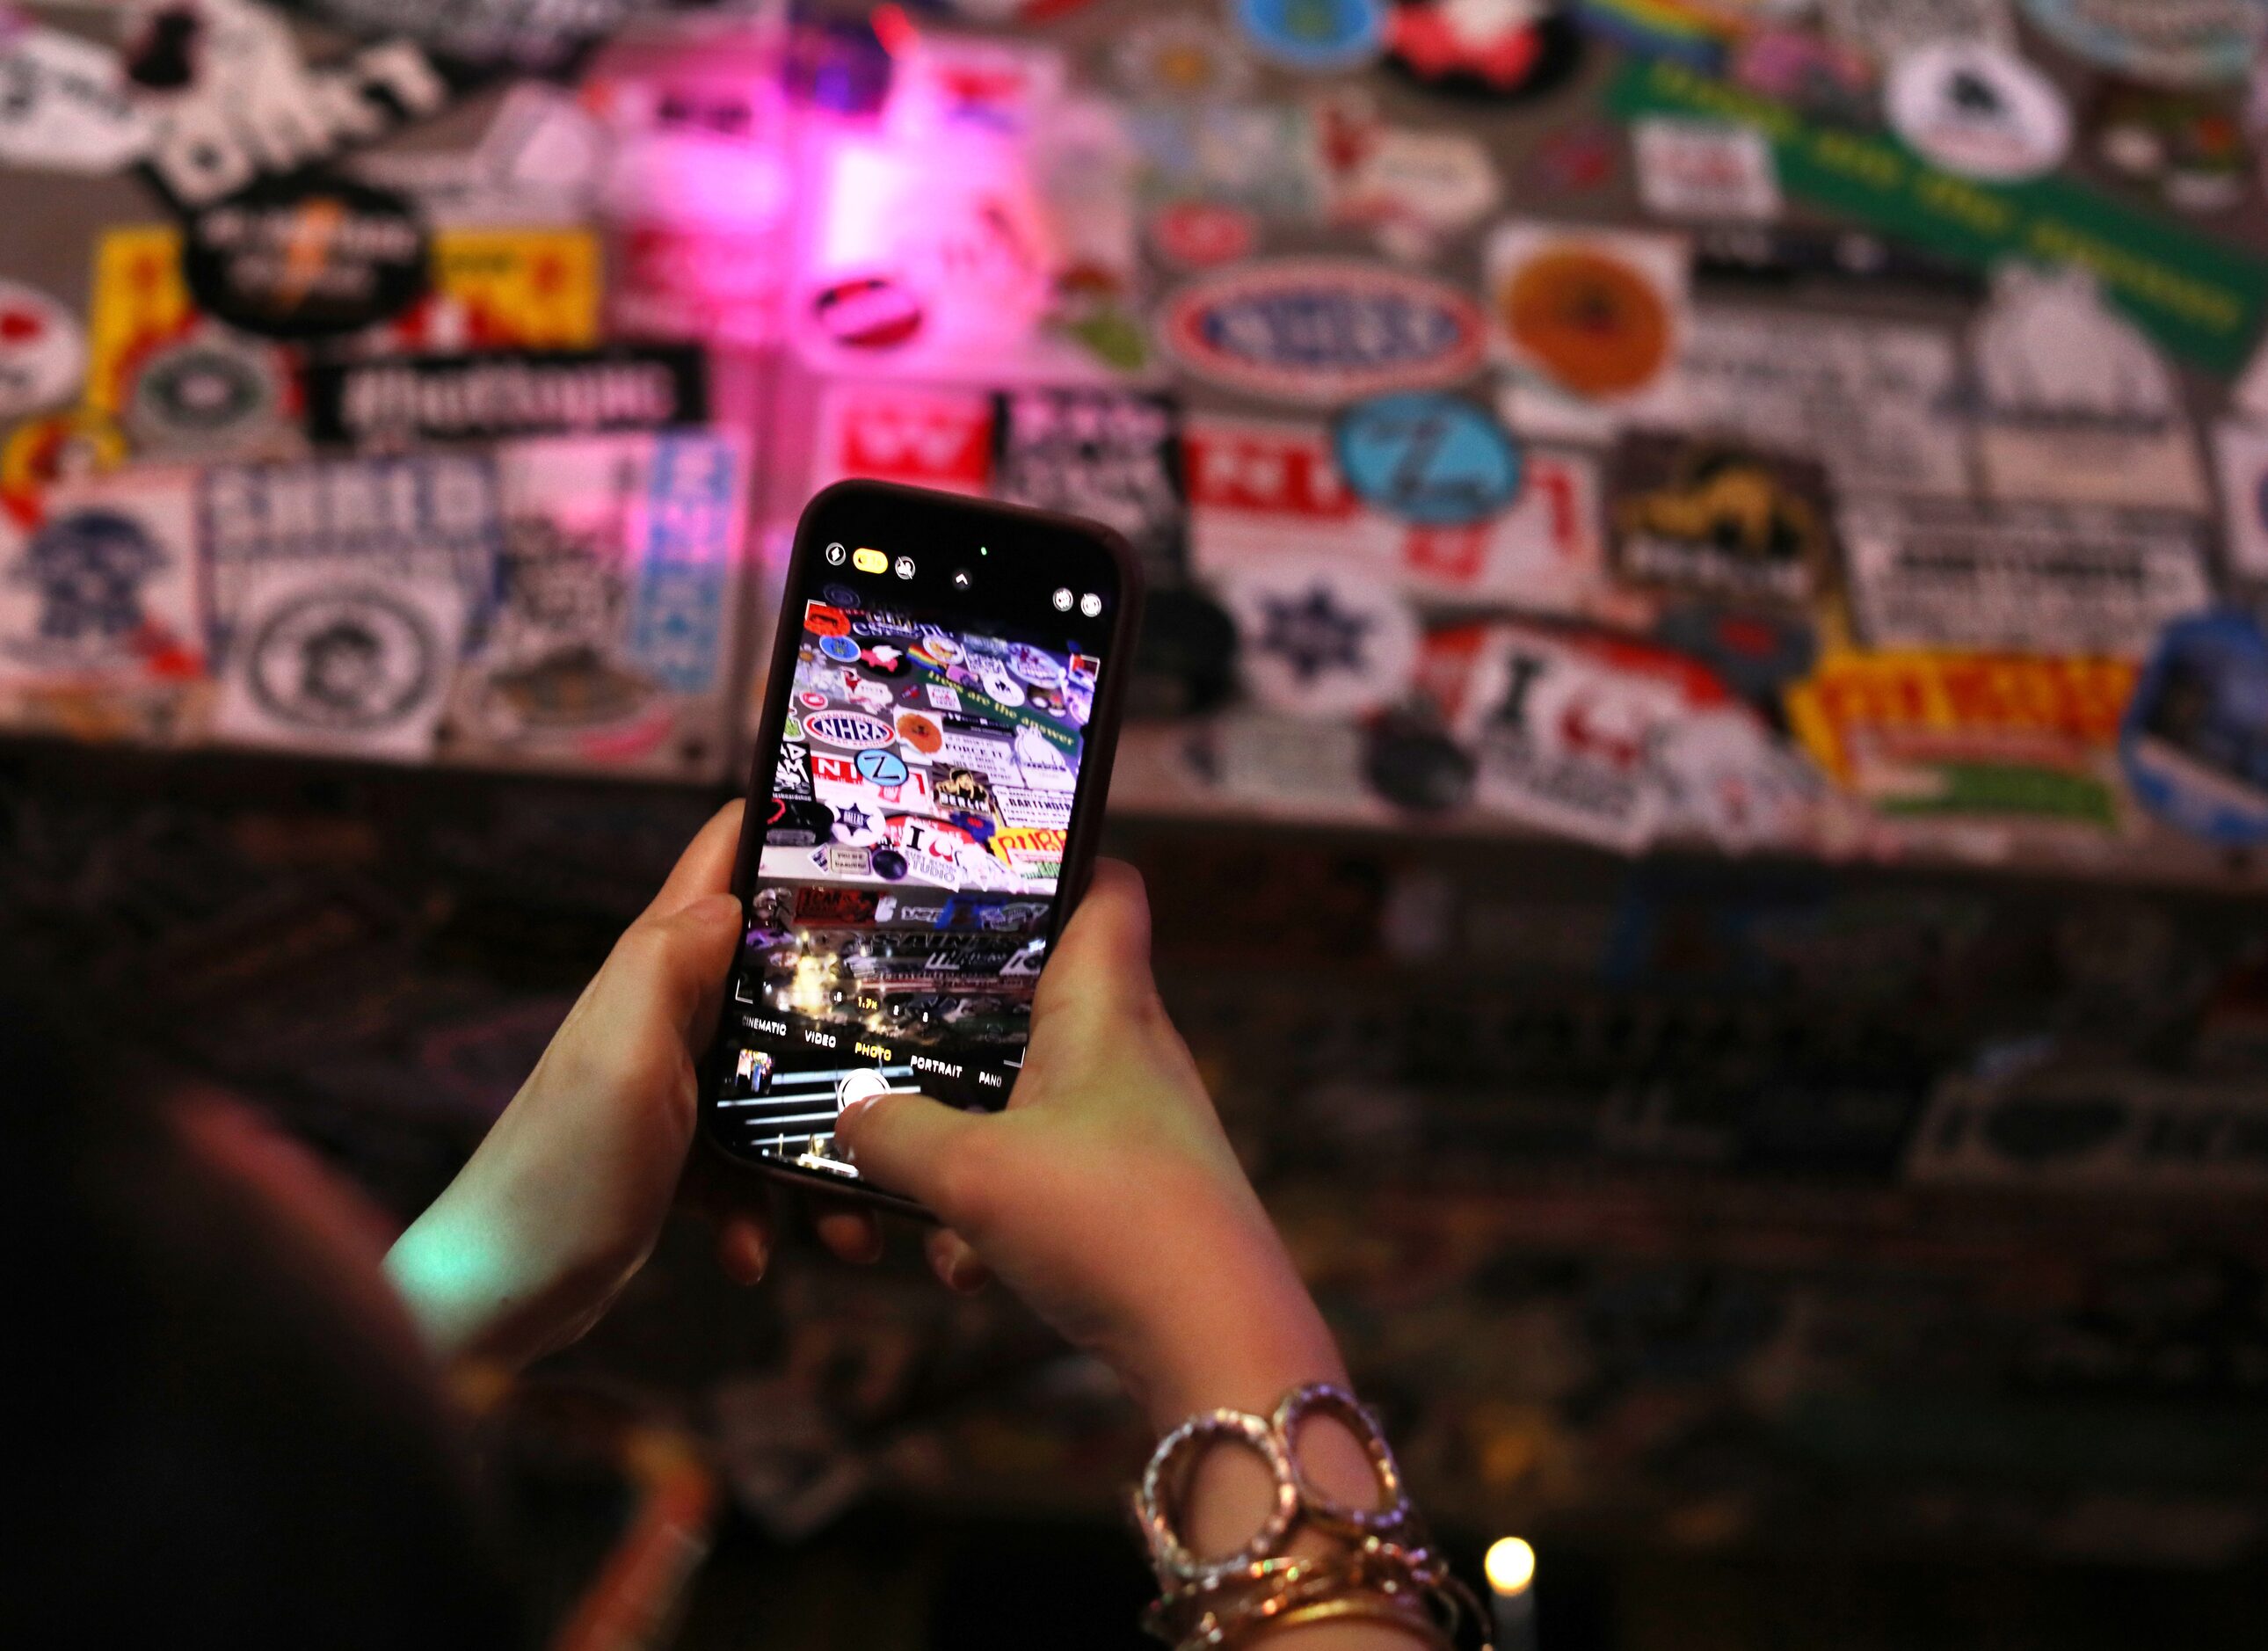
256,111
40,451
507,289
530,289
1315,36
1259,488
1730,781
2196,738
1888,29
104,590
1180,57
2199,296
1323,330
717,283
1590,323
2027,578
1113,456
1498,52
1828,79
889,432
1715,519
1878,402
1318,640
337,661
538,162
300,259
2242,450
1977,735
525,36
1434,460
1199,234
1565,728
42,350
1261,159
2074,404
610,641
991,247
466,396
1412,190
1979,111
2171,42
431,518
65,104
212,393
1705,170
2189,146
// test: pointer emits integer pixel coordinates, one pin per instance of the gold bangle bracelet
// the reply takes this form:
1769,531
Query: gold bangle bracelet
1351,1607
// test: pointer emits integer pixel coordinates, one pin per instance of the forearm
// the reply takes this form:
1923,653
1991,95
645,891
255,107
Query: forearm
474,1289
1278,1342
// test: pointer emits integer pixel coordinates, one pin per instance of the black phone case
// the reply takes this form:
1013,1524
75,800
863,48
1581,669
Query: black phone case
1087,808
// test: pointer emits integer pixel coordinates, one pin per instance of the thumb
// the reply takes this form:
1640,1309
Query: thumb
908,1144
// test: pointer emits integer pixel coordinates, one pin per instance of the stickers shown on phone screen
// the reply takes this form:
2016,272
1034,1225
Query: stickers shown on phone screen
905,886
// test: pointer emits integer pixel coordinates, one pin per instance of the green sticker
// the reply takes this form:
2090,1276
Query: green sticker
2198,298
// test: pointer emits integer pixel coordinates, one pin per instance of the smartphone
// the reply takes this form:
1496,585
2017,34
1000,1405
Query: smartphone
929,774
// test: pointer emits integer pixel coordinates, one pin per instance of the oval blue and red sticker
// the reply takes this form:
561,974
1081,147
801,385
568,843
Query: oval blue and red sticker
1323,331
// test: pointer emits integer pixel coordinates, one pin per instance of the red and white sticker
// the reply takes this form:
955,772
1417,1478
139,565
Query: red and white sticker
939,439
1325,331
1567,730
42,350
1199,234
1259,488
1705,172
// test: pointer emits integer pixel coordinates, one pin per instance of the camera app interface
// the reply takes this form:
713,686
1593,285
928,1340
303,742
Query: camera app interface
920,802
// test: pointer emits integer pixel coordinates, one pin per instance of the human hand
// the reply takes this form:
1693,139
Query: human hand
561,1203
1107,1195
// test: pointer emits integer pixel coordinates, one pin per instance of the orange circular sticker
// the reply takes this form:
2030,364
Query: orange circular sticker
1592,322
921,731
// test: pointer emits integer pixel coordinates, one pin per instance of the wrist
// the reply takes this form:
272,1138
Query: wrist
474,1291
1241,1340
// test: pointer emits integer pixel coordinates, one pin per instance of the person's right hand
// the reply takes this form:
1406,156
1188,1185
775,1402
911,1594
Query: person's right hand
1107,1195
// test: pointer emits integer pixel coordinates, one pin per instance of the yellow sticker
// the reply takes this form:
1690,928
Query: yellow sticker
139,300
1857,703
512,289
492,288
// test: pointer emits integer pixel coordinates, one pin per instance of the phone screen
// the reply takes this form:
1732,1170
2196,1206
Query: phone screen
920,791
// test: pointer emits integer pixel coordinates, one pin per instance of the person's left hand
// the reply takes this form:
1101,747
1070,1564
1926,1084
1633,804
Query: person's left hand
561,1203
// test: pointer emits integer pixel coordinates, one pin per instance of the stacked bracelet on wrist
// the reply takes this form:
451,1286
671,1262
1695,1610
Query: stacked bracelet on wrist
1387,1572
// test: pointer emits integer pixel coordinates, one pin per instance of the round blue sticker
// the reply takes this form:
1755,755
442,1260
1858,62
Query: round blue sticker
1315,36
1437,461
881,767
2195,738
840,649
